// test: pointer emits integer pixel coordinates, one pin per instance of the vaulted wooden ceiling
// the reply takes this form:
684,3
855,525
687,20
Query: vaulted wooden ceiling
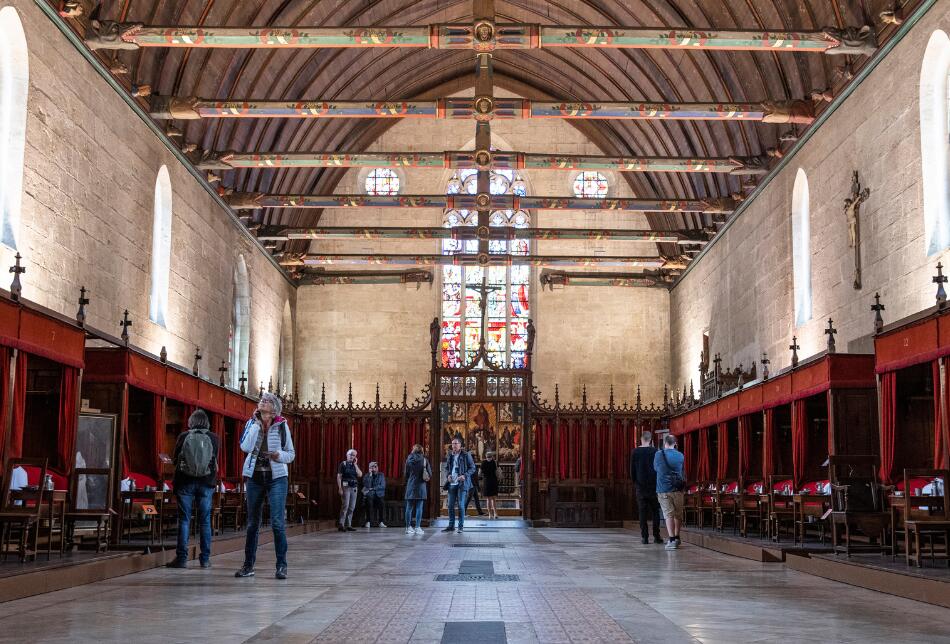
558,74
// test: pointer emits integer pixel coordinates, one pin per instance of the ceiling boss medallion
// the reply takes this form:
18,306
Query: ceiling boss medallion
484,41
484,108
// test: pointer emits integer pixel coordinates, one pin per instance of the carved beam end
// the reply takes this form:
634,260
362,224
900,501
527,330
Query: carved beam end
107,34
174,107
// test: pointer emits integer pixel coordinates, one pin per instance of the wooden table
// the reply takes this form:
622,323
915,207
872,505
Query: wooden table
899,504
146,497
52,510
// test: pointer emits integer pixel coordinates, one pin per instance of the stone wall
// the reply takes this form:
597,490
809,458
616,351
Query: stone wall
741,293
594,336
90,170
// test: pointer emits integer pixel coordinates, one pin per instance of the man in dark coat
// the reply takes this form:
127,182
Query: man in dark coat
644,479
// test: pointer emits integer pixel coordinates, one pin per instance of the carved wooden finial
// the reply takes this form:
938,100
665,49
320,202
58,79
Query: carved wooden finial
83,301
638,398
666,393
242,380
611,400
830,332
163,355
741,376
349,397
323,395
877,307
794,347
260,390
692,392
939,279
683,398
557,396
765,366
16,288
194,368
377,395
584,396
270,384
125,324
223,369
405,395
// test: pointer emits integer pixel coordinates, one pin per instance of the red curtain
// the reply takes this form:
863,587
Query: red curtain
888,423
745,437
217,425
563,439
19,406
722,449
768,456
689,468
4,381
158,434
799,442
938,429
68,419
702,455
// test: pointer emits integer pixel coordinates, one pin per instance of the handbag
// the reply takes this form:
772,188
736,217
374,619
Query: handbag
426,476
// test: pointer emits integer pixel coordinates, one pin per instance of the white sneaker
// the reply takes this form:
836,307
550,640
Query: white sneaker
671,544
410,531
367,525
420,531
382,525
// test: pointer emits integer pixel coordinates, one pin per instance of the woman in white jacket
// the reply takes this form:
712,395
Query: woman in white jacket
266,441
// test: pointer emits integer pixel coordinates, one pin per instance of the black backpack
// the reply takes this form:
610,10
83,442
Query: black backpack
672,478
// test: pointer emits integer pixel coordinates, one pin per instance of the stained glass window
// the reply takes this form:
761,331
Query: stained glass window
507,306
590,185
382,181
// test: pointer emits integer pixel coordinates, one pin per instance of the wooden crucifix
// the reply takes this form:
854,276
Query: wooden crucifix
485,289
852,209
125,323
242,380
223,369
83,301
16,288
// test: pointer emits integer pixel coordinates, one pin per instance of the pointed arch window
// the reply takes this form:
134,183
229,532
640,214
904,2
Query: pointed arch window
240,324
801,248
14,88
935,141
161,248
382,181
508,306
590,185
286,351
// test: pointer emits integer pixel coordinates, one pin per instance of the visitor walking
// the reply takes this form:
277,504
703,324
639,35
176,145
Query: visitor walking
196,472
644,479
459,468
473,494
490,483
670,483
374,495
418,473
348,475
267,442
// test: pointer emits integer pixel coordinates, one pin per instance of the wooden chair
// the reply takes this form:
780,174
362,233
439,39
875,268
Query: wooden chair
781,508
930,522
217,499
857,501
90,495
751,511
706,506
21,510
232,506
726,507
691,508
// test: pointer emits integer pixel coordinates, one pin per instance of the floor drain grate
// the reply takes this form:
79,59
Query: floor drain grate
471,577
484,632
478,545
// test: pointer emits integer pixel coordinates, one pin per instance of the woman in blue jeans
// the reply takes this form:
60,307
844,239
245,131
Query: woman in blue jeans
269,447
418,473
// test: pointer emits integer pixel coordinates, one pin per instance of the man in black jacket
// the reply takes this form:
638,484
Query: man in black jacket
644,479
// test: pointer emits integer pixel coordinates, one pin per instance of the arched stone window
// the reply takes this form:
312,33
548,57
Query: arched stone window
801,248
14,87
508,307
590,185
935,141
240,324
382,181
161,248
286,359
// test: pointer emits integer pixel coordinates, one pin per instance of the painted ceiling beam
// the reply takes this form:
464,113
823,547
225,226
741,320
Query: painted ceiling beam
253,201
506,233
481,36
481,108
473,259
464,160
560,279
324,278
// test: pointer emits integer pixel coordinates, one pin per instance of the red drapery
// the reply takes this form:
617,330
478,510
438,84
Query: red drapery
702,455
688,465
722,451
799,442
217,426
744,448
768,456
158,434
238,454
938,429
4,380
68,419
888,423
19,407
563,444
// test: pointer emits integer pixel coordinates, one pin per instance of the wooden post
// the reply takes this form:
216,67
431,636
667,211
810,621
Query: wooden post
944,409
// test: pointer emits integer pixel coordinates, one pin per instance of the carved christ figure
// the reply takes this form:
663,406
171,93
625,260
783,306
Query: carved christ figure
852,210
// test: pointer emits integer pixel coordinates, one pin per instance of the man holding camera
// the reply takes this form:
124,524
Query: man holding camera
459,468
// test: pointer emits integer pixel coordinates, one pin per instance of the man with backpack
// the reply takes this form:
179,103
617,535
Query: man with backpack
670,483
196,474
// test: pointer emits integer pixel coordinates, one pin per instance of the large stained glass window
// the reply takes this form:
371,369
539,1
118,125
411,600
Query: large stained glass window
506,338
590,185
382,181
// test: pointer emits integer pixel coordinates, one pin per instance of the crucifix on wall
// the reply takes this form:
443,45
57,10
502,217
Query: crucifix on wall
485,289
852,209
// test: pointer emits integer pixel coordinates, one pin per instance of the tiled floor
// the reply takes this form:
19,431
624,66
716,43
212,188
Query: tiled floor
378,586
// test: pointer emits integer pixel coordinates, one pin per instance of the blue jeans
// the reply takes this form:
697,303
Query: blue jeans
187,493
276,492
414,505
457,496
